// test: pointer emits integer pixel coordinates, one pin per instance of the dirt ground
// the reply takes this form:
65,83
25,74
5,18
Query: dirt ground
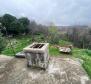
60,71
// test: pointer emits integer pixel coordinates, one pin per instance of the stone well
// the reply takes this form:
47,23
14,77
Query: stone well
37,55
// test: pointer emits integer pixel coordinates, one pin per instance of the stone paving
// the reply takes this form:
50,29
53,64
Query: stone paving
60,71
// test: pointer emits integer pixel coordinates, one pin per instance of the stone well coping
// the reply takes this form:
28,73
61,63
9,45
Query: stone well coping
36,50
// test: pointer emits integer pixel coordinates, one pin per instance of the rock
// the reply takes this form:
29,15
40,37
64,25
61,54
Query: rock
20,54
65,49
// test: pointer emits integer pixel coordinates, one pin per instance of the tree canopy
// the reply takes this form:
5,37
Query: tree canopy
14,25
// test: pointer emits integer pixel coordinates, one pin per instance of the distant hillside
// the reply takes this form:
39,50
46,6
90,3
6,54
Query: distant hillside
64,29
75,26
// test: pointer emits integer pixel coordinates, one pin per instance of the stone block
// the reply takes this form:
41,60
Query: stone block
37,55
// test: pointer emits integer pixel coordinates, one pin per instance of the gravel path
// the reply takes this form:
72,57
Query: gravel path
60,71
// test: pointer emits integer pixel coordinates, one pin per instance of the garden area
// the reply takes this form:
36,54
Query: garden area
20,42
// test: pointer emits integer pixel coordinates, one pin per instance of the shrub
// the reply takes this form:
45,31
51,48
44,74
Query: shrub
2,43
88,52
53,36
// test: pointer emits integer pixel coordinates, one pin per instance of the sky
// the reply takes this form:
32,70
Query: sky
59,12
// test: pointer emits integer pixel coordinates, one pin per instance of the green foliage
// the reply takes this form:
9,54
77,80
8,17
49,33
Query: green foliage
13,25
2,43
64,43
87,67
6,20
22,41
88,52
53,36
53,51
16,27
0,19
18,44
82,54
25,23
39,38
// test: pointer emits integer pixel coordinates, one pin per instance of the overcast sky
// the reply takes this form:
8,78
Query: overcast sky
60,12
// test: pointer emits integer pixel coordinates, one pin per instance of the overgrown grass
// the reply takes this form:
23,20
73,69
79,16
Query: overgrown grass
22,41
18,44
64,43
53,51
84,54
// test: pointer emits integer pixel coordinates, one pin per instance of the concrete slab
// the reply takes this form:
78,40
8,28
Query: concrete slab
20,54
5,61
60,71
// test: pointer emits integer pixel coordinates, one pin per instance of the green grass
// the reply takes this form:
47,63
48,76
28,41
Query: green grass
87,67
22,41
53,51
84,54
18,44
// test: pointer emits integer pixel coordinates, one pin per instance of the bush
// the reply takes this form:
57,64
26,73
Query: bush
39,38
54,39
2,43
88,52
53,36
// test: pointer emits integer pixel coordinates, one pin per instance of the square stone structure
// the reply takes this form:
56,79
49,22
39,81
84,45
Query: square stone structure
37,55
